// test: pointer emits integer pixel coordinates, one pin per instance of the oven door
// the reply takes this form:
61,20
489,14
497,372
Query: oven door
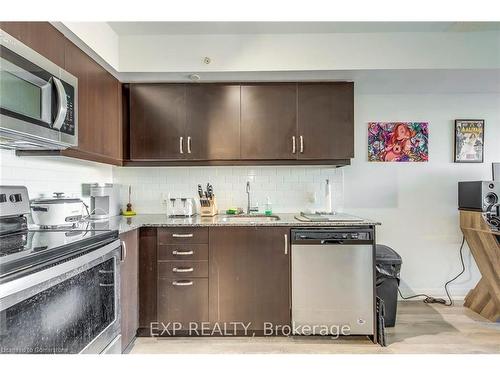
72,307
38,99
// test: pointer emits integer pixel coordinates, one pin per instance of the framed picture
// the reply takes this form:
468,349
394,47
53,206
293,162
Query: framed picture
469,141
398,141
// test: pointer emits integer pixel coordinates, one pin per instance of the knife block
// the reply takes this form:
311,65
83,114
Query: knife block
208,206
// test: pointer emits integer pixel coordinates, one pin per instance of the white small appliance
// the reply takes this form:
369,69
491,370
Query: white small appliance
181,207
56,211
104,201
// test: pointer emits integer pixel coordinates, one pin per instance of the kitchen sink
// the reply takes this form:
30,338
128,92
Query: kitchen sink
250,218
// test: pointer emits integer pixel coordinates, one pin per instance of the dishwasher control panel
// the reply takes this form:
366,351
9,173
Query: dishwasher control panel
325,235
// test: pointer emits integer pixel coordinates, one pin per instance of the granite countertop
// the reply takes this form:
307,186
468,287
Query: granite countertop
124,224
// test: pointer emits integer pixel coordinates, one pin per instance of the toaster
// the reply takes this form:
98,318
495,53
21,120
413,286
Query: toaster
181,207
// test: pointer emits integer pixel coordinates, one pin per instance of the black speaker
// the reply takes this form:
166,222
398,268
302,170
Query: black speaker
478,195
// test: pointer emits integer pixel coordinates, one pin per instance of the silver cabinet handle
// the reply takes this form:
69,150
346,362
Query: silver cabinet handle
181,269
62,104
106,271
102,284
182,283
301,144
124,251
293,145
181,140
189,145
177,252
182,235
286,244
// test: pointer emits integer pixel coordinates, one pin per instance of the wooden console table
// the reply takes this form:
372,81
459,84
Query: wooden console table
484,244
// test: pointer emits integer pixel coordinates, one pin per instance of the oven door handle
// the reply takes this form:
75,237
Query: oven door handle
62,104
15,291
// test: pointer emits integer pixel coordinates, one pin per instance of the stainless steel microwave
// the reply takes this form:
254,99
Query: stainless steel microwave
38,100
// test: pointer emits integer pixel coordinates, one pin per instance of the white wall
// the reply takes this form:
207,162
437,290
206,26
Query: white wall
303,52
416,202
45,175
100,37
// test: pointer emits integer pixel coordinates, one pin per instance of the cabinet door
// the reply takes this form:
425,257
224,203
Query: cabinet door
157,121
111,128
249,275
213,121
325,120
147,279
78,64
182,301
40,36
129,287
268,121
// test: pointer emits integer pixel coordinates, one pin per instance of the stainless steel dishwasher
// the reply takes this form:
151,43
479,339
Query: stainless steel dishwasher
333,278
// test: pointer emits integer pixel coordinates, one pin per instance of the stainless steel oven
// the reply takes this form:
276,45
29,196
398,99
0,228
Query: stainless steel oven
70,307
39,100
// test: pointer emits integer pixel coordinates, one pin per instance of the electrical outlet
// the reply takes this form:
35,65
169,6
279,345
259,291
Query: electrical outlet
311,196
165,197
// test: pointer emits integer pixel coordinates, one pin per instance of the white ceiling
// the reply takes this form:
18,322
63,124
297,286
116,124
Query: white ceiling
183,28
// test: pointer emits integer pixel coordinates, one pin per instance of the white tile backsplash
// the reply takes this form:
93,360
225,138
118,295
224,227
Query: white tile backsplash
291,189
45,175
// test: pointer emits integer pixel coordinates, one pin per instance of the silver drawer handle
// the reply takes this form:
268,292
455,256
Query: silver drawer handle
177,252
182,283
180,270
106,271
182,235
102,284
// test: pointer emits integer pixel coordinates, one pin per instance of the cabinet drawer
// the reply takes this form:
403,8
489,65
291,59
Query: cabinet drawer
182,300
182,269
183,252
182,235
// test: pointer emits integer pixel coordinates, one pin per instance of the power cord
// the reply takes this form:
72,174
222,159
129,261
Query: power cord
442,301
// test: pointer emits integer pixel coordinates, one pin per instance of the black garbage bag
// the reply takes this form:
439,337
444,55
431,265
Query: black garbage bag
388,265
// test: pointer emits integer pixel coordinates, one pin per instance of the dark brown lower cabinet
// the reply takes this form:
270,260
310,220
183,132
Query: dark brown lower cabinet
249,272
129,286
147,280
181,302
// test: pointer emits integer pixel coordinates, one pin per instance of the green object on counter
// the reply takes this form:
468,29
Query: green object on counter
231,211
268,212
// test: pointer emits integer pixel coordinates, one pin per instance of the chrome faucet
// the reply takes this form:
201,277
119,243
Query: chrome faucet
250,209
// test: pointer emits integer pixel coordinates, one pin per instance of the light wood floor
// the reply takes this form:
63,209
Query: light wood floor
420,328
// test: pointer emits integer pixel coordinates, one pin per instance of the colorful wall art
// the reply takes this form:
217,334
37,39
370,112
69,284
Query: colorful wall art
398,141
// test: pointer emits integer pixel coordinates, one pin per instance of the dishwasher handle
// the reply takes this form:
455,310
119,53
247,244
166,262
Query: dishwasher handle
332,242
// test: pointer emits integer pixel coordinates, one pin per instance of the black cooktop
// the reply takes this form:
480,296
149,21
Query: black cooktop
28,250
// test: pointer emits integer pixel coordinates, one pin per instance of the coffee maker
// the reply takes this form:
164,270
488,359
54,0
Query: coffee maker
104,201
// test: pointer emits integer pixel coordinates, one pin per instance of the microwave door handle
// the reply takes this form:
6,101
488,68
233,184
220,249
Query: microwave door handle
62,104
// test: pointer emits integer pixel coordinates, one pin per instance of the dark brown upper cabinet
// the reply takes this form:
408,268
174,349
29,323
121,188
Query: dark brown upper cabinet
249,271
268,121
99,109
325,120
40,36
157,121
251,123
99,93
213,122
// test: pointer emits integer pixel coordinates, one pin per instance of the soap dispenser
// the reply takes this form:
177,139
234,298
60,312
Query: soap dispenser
268,209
